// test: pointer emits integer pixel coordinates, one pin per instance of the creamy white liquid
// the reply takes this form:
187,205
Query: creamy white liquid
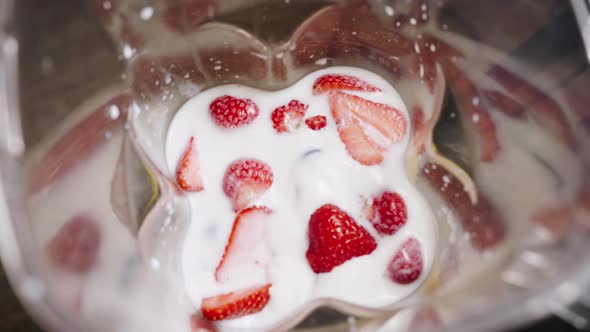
311,168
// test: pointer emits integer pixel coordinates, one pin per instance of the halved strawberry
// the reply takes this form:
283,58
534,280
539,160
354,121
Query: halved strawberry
388,213
75,246
288,117
316,122
341,82
231,112
246,253
236,304
366,128
334,238
245,180
406,265
188,173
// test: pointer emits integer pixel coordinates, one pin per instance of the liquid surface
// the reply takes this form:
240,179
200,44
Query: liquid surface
311,168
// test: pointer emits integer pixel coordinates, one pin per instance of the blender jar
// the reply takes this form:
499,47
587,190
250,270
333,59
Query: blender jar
92,221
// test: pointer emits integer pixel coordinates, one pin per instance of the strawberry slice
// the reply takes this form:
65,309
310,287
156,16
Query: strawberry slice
388,213
316,122
288,117
341,82
406,265
334,238
366,128
482,221
245,180
231,112
246,254
188,175
75,246
236,304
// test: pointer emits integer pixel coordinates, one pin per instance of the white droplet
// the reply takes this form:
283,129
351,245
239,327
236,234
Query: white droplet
432,48
155,263
106,5
475,101
321,62
167,79
114,112
146,13
413,21
445,27
127,52
389,10
475,118
354,33
218,67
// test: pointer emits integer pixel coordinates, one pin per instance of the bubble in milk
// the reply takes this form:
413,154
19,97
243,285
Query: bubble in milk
146,13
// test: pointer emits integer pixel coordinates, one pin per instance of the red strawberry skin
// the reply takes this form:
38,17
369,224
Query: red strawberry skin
75,246
388,213
316,122
246,254
334,238
288,117
236,304
231,112
245,180
341,82
188,174
406,265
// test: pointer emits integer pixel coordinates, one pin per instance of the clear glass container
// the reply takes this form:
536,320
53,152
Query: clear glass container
92,223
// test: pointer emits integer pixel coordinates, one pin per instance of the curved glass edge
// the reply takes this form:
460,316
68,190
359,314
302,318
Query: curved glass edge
582,11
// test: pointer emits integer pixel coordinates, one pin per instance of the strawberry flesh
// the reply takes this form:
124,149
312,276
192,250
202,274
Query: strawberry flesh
388,213
334,238
246,180
406,265
246,254
236,304
316,122
341,82
188,174
366,128
75,246
288,117
231,112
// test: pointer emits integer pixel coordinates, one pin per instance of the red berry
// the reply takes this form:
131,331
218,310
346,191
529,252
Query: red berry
288,117
388,213
334,238
316,122
188,174
406,265
341,82
236,304
245,180
366,128
231,112
246,254
75,246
